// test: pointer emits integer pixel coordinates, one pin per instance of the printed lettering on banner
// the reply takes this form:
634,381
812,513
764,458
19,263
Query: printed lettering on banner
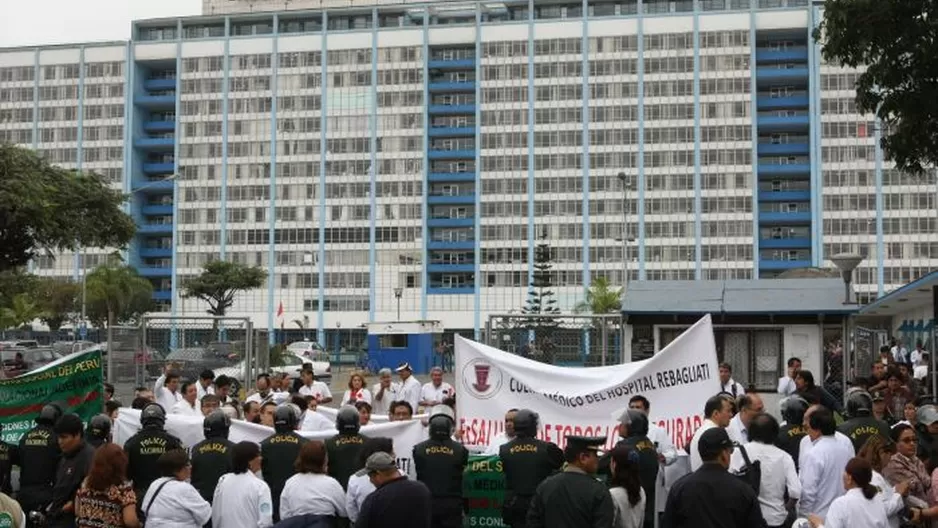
585,401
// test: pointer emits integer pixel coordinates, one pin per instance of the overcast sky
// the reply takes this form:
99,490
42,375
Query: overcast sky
29,22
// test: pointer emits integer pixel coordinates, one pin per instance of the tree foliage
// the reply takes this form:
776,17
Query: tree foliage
116,293
541,304
45,208
14,282
897,41
22,311
601,298
59,299
220,281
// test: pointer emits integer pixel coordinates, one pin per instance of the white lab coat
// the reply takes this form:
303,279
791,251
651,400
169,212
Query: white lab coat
183,408
242,501
853,510
665,448
163,395
410,392
361,395
695,460
892,501
786,386
359,487
822,470
178,504
431,393
806,444
737,430
309,493
778,477
203,391
383,406
497,442
316,389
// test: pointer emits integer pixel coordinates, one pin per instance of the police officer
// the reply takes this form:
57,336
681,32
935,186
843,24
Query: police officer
633,428
527,461
39,451
211,458
8,458
99,430
574,498
279,452
862,425
440,463
343,449
790,434
145,448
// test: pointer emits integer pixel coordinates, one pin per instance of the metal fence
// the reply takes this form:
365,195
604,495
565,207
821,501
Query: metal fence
568,340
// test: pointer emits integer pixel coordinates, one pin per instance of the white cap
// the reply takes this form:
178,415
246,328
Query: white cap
404,366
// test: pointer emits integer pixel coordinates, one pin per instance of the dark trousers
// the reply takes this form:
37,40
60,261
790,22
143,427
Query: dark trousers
515,511
446,512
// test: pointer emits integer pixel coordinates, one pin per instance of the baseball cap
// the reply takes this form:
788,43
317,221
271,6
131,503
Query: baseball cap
379,462
927,415
712,441
404,366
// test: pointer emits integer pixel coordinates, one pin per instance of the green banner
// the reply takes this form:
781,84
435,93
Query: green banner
484,491
77,380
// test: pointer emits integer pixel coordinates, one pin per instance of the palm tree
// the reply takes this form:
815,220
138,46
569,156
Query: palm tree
601,298
116,293
21,312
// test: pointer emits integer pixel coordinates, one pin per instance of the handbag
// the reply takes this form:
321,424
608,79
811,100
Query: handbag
751,473
146,511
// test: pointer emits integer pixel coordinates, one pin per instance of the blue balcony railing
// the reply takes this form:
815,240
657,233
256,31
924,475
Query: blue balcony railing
159,126
157,210
785,243
797,54
452,176
439,245
441,290
158,168
153,186
450,268
797,75
782,123
785,196
150,271
162,295
785,218
439,109
451,222
783,149
155,229
768,264
452,131
155,144
454,64
451,154
788,170
463,86
155,101
464,199
159,84
782,103
156,252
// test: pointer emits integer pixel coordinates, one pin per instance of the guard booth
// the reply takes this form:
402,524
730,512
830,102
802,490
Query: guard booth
390,344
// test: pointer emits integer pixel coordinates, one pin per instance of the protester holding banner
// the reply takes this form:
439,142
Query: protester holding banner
505,436
436,390
527,461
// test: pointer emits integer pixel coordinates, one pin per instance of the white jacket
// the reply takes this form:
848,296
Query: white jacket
241,501
177,505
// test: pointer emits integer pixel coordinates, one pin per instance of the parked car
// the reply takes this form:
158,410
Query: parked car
70,347
190,362
23,343
29,359
292,364
305,347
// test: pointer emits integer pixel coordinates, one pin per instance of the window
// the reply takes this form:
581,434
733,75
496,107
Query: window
755,355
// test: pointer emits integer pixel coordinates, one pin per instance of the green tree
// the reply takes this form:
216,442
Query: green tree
897,42
14,282
219,281
541,305
45,208
22,311
601,298
59,300
116,293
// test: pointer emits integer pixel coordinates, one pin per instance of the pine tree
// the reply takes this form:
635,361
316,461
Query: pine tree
541,304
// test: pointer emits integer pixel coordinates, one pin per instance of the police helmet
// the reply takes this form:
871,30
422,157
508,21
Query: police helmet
153,415
49,415
100,426
526,422
793,409
348,420
859,402
636,421
285,419
216,425
442,421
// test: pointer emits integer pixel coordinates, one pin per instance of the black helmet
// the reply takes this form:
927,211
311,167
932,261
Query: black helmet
153,415
859,402
49,414
526,422
99,427
348,420
285,419
636,421
793,409
216,425
442,421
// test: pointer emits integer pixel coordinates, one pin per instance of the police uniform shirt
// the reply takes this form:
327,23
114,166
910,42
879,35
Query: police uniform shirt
440,465
343,451
571,499
8,458
211,458
527,462
39,451
647,471
789,440
278,453
862,428
143,450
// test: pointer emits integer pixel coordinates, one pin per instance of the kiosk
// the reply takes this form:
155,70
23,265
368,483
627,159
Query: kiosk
390,344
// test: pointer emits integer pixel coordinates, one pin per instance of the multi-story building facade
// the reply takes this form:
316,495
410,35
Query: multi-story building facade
417,153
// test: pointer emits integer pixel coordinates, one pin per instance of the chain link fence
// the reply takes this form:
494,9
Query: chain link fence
566,340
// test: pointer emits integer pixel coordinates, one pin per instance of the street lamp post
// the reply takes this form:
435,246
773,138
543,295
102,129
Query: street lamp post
846,263
625,228
398,293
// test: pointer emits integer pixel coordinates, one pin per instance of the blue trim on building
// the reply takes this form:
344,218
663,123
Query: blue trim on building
226,81
754,113
373,169
640,206
531,160
425,209
477,228
880,246
814,90
323,127
585,135
271,253
698,186
174,279
79,141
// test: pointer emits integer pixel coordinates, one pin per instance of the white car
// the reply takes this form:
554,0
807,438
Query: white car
304,347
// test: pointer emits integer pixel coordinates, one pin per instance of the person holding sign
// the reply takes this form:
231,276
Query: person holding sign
436,390
574,498
527,461
356,390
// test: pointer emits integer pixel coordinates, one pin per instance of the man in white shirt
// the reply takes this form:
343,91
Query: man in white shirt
204,386
242,500
917,355
383,393
786,384
189,405
313,387
436,390
410,387
312,420
807,444
728,384
222,390
264,393
718,411
749,406
166,389
899,353
505,436
822,467
778,469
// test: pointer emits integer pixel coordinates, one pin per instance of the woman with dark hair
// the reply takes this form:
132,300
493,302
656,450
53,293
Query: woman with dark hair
858,507
878,451
242,500
359,484
171,501
106,498
311,491
905,466
357,390
626,488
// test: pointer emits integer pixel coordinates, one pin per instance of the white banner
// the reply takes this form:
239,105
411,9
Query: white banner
585,401
189,430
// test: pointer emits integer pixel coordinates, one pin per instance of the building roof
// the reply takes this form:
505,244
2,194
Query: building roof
763,297
915,294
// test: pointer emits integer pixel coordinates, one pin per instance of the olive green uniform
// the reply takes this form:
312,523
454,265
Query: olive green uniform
862,428
571,499
278,455
143,450
343,450
211,458
440,465
526,462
